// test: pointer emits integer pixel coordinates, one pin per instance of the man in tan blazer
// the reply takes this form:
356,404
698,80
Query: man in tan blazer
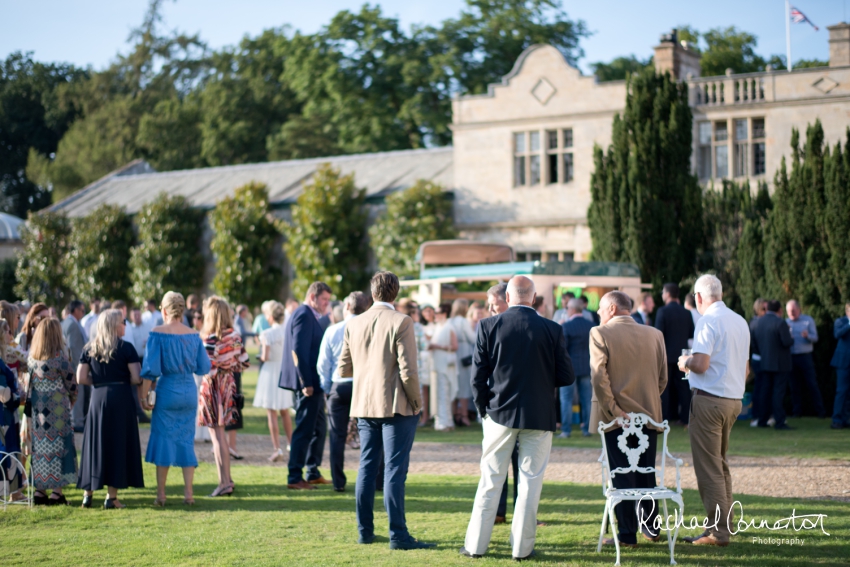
628,372
379,353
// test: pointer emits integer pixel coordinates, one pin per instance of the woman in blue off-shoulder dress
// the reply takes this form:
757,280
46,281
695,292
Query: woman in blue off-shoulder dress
174,353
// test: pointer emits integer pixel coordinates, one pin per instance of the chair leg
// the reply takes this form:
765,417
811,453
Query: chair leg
669,538
604,524
614,533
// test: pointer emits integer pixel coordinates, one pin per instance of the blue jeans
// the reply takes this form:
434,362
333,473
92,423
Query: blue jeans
566,395
585,392
394,435
841,409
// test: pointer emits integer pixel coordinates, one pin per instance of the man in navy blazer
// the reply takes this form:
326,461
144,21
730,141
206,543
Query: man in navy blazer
299,373
677,325
841,363
577,337
772,340
519,359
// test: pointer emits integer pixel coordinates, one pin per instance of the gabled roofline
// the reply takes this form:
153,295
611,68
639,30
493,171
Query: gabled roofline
491,88
123,170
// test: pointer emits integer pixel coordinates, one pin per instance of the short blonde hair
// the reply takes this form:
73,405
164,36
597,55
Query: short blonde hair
709,286
173,305
47,340
217,316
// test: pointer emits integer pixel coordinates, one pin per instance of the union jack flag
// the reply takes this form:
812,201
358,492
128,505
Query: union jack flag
798,17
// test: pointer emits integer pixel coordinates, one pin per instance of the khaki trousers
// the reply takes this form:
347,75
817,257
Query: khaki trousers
497,446
711,423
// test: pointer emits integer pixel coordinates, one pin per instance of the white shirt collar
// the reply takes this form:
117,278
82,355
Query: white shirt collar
526,306
385,304
576,316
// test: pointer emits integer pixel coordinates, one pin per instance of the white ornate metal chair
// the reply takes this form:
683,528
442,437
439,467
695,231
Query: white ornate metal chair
613,496
8,460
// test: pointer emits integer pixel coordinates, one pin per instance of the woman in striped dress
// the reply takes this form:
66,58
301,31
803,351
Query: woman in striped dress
218,388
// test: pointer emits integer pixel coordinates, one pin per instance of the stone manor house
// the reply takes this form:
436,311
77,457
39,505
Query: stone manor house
522,156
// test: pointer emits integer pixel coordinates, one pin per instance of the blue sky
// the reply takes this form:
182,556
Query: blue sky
91,32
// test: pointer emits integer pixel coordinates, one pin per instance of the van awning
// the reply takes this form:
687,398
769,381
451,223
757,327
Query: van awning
463,252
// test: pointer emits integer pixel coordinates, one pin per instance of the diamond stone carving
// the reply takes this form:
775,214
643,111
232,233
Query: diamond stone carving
824,84
543,91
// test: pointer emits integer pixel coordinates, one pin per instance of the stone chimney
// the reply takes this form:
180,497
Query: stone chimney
839,45
676,57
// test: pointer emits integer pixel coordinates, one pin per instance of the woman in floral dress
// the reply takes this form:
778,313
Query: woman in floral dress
53,391
218,388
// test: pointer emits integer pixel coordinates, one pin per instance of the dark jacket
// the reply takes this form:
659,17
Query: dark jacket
841,329
772,340
303,337
577,337
677,325
526,357
639,320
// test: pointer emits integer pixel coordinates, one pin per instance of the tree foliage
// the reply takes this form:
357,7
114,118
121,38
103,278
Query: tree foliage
413,216
620,68
98,263
243,246
167,256
646,205
326,239
41,269
8,279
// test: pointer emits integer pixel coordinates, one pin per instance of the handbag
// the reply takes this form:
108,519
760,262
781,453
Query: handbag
239,401
151,398
466,361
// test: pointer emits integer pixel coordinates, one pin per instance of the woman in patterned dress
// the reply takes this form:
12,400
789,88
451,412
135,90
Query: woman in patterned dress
216,397
53,391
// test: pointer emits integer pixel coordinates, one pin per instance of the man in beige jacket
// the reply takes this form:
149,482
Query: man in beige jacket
379,353
628,372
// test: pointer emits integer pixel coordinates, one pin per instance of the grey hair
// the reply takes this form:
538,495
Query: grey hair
620,299
576,304
709,286
498,290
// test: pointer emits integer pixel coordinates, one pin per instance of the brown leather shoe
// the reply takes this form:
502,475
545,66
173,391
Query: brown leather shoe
648,537
300,485
320,480
610,541
500,519
710,540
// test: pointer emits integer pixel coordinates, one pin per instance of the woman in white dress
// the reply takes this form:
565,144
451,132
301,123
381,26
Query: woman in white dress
465,346
275,400
444,358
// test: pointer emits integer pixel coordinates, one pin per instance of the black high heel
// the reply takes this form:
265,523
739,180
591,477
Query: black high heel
61,501
109,504
87,499
42,500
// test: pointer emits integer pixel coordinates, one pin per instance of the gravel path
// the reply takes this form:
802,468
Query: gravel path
763,476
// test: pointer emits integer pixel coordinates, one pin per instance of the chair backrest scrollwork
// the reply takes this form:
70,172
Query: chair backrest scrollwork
634,426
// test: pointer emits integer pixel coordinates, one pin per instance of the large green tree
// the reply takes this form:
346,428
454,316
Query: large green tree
646,205
420,213
619,68
98,261
32,120
168,255
42,264
243,245
326,239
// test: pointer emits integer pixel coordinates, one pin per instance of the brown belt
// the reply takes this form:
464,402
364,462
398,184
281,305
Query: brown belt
698,392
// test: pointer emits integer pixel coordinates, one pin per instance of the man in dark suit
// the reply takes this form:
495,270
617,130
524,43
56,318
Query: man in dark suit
772,340
302,339
519,359
644,310
677,325
75,338
577,337
841,363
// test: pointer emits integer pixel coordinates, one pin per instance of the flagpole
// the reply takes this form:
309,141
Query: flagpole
788,34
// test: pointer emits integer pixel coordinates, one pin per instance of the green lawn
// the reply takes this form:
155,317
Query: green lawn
265,524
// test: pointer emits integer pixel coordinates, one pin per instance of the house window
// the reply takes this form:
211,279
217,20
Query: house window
721,149
704,151
519,159
552,156
534,158
758,147
741,138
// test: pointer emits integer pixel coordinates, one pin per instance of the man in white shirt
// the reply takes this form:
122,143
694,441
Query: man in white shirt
141,331
339,389
151,316
90,318
718,371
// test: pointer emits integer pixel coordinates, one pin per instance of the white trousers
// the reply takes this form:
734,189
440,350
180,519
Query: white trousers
498,444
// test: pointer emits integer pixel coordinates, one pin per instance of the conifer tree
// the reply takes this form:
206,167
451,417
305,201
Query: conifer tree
646,204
